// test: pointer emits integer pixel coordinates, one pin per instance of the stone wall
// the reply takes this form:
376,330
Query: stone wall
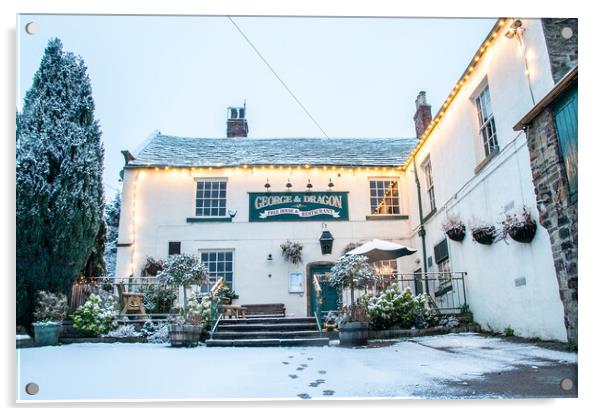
556,212
562,48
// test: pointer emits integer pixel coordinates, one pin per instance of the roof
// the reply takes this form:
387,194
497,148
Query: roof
561,86
161,150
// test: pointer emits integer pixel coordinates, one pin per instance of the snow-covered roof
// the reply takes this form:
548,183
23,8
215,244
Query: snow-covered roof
162,150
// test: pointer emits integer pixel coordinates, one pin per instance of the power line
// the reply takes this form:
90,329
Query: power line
278,77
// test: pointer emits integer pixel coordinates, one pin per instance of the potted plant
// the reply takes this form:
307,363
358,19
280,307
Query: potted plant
187,328
152,266
49,314
227,295
291,251
484,233
184,270
520,228
353,272
454,228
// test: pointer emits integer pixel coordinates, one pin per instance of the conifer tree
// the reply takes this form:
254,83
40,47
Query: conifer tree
59,178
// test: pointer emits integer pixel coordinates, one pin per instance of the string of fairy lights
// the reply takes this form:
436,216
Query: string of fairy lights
376,170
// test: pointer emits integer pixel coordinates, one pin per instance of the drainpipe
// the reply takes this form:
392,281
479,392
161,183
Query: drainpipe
421,230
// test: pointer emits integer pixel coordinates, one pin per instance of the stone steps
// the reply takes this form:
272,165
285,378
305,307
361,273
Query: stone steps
267,332
268,342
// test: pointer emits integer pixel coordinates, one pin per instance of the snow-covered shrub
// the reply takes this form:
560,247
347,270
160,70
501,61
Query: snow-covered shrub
96,315
183,270
160,335
159,298
123,331
449,321
392,308
50,308
424,316
350,247
291,251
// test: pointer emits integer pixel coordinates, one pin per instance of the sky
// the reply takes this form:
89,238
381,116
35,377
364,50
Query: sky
357,77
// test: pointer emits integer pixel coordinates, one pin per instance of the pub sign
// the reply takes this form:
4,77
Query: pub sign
298,206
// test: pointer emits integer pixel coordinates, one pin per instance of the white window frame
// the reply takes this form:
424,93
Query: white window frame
398,197
217,251
486,120
195,198
427,169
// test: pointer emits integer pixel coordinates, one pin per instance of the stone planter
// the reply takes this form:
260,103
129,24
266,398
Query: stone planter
353,334
46,333
184,335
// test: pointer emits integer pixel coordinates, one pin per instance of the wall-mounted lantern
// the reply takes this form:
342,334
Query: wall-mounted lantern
326,240
270,257
267,185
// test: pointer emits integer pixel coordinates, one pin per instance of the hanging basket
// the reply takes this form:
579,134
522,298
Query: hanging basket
457,233
524,234
484,235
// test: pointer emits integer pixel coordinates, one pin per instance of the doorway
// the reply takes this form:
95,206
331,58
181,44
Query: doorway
330,294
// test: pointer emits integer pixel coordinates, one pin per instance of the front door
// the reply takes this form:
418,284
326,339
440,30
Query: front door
330,294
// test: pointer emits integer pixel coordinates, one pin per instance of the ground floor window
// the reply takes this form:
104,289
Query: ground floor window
220,264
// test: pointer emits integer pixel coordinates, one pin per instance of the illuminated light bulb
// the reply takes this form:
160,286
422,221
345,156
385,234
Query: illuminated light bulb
306,166
501,23
245,166
156,168
210,168
280,168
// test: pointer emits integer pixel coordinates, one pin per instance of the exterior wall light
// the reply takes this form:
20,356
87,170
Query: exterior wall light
267,185
289,185
232,213
309,185
330,184
326,240
270,257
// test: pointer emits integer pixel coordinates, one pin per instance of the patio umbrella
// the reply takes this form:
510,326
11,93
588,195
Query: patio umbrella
382,250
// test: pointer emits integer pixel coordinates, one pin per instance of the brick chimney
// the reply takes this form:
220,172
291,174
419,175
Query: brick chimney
236,126
423,115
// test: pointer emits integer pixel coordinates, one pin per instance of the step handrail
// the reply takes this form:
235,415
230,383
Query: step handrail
215,326
318,323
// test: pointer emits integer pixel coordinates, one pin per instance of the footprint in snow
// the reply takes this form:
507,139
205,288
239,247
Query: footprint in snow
304,396
328,392
309,358
322,371
293,375
304,365
320,381
300,368
314,384
285,362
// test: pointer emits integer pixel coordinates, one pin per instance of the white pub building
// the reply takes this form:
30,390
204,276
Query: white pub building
234,201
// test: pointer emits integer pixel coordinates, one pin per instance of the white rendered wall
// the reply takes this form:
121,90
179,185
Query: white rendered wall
164,199
532,310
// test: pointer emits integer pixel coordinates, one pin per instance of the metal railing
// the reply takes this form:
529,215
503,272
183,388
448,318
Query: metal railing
446,289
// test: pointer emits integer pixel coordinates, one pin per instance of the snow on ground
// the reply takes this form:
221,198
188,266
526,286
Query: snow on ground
151,371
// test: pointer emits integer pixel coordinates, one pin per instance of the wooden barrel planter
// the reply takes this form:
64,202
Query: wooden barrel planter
484,235
353,334
184,335
524,234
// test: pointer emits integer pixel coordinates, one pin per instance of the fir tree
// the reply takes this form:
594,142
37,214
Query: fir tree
59,178
112,213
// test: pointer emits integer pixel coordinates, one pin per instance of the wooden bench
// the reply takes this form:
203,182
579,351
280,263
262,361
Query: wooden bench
276,309
234,311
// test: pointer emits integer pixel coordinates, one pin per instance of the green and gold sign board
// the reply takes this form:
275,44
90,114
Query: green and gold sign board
298,206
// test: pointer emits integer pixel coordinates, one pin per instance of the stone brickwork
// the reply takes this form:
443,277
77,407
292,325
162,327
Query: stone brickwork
237,128
423,115
556,212
562,50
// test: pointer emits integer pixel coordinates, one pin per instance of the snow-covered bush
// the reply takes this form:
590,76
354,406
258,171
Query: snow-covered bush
394,308
183,270
96,315
123,331
51,308
449,321
291,251
159,298
159,335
